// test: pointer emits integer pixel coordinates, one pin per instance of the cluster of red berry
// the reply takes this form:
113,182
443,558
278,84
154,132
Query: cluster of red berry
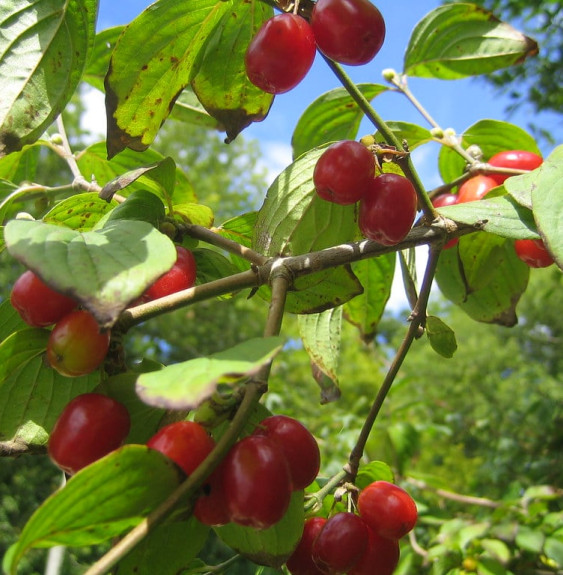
282,52
345,174
76,346
532,252
364,544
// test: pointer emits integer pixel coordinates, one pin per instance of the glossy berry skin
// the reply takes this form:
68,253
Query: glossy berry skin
387,509
341,543
348,31
475,188
380,558
90,426
344,172
441,201
257,483
210,507
301,561
76,346
38,304
281,53
533,252
515,159
185,442
298,445
181,276
388,209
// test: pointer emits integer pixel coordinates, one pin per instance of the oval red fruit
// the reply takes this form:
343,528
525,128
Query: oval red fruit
534,253
380,558
210,507
281,53
181,276
515,159
475,188
441,201
301,561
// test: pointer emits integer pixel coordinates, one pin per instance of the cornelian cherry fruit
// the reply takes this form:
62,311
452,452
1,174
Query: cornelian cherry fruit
281,53
387,509
380,558
210,507
388,209
441,201
181,276
298,446
515,159
37,303
185,442
76,346
344,172
301,561
90,426
534,253
475,188
348,31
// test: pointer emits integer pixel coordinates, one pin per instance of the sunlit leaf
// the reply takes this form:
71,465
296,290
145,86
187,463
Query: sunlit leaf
441,336
80,212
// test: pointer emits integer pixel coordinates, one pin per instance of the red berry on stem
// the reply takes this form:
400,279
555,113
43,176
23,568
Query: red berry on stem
475,188
257,482
76,346
185,442
210,507
344,172
281,53
341,543
301,561
388,209
90,426
299,447
387,509
533,252
38,304
181,276
348,31
441,201
515,159
380,558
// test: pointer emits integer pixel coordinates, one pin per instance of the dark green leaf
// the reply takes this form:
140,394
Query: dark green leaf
414,134
459,40
331,117
104,270
212,265
43,51
141,205
373,471
441,337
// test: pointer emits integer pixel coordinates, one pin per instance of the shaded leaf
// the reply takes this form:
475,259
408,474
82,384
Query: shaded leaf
187,384
141,205
212,265
441,336
459,40
98,63
19,167
104,270
43,51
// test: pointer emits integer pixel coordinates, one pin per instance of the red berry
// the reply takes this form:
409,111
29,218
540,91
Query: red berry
348,31
388,209
181,276
76,346
185,442
341,543
38,304
475,188
210,507
257,482
299,447
533,252
387,509
380,558
515,159
281,53
301,561
344,172
441,201
90,426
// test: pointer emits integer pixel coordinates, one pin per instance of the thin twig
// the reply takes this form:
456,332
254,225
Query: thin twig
468,499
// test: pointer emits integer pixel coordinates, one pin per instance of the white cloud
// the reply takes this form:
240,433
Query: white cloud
398,300
94,117
277,155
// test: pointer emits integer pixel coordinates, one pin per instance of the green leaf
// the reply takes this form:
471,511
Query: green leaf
131,482
196,214
212,265
221,83
165,42
441,336
271,546
98,64
553,548
10,320
80,212
547,201
43,51
373,471
494,297
167,550
502,216
365,310
92,161
141,205
187,384
488,566
529,539
414,134
104,270
492,136
321,334
496,549
331,117
19,167
459,40
30,391
187,108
